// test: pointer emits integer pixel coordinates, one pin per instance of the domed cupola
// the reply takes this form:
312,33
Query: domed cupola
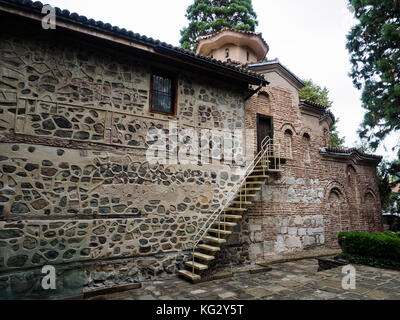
234,46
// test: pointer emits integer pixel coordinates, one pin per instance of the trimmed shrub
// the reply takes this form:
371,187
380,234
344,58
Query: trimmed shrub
369,261
390,234
374,245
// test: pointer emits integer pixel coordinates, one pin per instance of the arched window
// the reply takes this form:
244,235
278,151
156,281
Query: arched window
307,146
288,136
227,52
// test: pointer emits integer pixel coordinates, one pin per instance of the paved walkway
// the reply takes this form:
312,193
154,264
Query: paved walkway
299,280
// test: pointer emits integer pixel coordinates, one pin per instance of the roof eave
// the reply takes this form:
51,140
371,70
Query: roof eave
299,83
351,154
31,10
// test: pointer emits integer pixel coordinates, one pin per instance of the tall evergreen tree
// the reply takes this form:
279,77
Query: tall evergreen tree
374,46
317,94
209,16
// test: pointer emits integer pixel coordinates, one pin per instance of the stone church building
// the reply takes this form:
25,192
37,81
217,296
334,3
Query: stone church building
78,192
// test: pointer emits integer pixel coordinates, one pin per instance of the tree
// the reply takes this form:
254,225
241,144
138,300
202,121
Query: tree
209,16
388,179
374,46
317,94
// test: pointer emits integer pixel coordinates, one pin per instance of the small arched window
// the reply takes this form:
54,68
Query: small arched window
227,52
307,146
288,142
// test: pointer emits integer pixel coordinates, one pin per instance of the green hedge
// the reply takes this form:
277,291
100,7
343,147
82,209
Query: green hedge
374,245
369,261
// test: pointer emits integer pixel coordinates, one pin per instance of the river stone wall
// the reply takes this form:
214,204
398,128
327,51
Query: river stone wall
75,183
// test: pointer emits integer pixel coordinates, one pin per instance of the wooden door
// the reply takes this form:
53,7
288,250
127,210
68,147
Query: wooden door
264,129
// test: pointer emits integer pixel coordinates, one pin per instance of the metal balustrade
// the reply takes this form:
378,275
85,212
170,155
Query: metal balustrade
267,161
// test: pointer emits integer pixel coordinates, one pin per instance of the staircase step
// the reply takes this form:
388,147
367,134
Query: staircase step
196,265
219,231
260,170
245,196
204,257
226,224
231,216
250,189
243,203
208,248
258,177
190,275
214,240
255,182
275,170
232,209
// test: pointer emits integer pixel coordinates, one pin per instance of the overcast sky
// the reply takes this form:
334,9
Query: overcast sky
308,37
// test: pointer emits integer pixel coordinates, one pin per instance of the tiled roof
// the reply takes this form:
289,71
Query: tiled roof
250,33
312,104
75,18
318,107
328,114
350,152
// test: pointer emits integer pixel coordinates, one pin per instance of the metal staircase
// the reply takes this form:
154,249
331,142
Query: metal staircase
215,231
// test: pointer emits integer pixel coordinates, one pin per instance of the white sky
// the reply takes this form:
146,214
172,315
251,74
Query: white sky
308,37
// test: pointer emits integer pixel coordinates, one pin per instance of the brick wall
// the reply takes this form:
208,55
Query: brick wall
316,197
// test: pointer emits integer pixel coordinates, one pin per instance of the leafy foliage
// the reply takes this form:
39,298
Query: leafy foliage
209,16
376,245
388,178
317,94
374,46
370,261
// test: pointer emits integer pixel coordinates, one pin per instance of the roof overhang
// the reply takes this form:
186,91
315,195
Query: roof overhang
319,110
280,69
249,39
73,22
353,154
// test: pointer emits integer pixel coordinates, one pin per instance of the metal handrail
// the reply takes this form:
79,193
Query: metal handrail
266,148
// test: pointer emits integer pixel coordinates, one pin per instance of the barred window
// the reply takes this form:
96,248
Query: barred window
163,94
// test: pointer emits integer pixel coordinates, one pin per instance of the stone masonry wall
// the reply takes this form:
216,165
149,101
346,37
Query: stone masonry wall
75,184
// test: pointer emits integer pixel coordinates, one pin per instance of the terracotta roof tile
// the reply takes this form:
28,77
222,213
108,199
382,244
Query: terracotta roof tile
123,33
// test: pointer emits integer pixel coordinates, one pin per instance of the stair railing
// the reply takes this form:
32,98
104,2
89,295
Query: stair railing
268,150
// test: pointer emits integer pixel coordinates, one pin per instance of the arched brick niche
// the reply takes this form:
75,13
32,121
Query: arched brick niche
369,210
325,136
353,183
306,144
288,133
336,213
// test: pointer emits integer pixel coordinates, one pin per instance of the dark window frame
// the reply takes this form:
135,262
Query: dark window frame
174,91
